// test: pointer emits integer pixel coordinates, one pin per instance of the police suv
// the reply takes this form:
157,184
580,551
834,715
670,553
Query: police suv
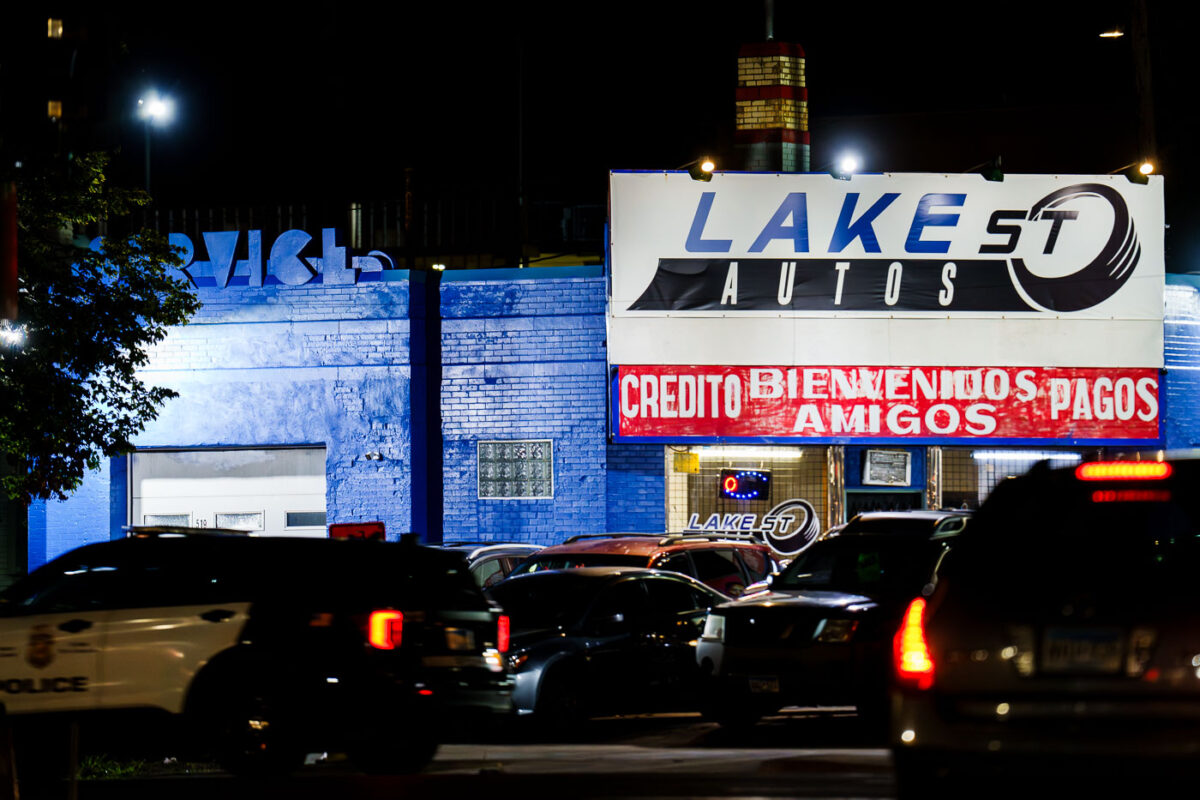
265,649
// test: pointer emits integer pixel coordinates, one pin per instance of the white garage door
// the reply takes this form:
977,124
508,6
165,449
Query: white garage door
267,492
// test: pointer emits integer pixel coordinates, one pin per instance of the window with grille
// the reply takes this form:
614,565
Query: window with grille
969,474
694,484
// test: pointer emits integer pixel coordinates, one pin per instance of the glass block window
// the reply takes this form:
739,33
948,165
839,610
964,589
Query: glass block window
241,521
516,470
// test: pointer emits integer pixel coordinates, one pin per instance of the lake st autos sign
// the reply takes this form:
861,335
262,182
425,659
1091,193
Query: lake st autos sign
794,308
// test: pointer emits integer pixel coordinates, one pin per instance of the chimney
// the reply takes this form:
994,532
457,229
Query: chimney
772,108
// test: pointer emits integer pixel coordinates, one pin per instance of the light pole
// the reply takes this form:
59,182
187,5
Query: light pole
154,110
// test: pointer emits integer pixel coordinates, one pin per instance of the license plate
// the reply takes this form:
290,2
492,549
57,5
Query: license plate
460,639
764,685
1091,650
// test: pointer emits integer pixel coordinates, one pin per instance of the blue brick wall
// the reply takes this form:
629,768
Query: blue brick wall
524,359
56,526
1181,356
637,488
278,365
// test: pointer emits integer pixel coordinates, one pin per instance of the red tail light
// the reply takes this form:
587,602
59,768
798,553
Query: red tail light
1123,471
914,663
1130,496
385,629
503,633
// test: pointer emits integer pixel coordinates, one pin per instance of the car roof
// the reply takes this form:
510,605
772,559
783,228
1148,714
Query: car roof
473,550
916,523
604,573
644,544
278,552
916,513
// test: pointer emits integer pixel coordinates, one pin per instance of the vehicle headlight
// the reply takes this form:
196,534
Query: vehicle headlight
516,660
835,630
714,628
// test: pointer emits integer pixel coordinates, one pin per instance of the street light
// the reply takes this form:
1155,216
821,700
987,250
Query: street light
154,110
701,169
846,166
1136,172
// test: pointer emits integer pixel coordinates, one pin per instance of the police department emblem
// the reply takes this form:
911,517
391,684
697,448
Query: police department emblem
40,652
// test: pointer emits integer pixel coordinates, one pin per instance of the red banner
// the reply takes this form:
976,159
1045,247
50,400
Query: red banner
888,402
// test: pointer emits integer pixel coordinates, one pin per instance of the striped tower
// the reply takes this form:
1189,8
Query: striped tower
772,108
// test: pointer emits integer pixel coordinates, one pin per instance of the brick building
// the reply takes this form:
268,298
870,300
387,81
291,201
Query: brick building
472,404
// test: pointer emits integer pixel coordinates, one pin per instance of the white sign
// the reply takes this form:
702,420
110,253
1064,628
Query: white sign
904,269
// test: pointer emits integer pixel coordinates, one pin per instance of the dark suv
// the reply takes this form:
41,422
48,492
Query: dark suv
1063,632
264,648
720,562
823,634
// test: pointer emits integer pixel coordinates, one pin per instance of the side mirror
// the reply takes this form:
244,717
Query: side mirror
760,587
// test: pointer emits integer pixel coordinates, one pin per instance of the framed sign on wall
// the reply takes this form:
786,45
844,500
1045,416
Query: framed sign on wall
887,468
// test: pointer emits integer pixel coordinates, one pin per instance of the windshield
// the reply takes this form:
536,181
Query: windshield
861,565
1124,540
543,602
541,563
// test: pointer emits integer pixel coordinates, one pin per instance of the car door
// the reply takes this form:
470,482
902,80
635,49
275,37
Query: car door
617,656
52,630
678,610
179,612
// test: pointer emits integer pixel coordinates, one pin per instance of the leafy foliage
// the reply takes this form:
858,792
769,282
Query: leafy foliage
70,395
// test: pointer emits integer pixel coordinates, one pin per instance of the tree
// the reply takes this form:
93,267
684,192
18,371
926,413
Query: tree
70,395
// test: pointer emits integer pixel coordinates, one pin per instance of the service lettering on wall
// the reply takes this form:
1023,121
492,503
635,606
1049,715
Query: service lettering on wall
933,404
886,269
241,258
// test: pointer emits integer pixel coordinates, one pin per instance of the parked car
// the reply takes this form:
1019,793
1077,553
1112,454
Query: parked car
1065,624
596,640
491,562
822,635
262,649
725,564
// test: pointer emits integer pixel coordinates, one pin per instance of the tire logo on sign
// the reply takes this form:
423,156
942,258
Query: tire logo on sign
791,526
1097,281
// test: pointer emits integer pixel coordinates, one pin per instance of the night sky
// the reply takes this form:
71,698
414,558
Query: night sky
339,101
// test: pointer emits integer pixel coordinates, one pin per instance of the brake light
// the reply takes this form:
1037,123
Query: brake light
385,629
1130,496
1123,471
914,663
503,633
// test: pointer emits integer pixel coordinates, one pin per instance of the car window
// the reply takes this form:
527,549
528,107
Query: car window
860,564
679,562
70,585
757,565
674,602
545,601
624,606
488,572
1148,546
715,564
